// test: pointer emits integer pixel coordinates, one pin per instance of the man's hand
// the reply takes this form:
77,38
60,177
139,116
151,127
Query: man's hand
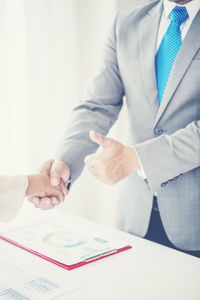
58,175
114,162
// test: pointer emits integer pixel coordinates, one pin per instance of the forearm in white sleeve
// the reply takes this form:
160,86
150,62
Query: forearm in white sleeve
12,194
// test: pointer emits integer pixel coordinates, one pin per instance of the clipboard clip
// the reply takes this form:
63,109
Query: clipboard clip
87,259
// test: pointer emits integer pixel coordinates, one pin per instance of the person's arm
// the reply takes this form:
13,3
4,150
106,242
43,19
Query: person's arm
167,157
12,194
13,190
98,111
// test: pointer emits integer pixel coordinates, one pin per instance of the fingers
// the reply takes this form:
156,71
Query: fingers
59,171
54,196
51,192
90,160
45,203
35,200
59,195
100,139
55,201
92,164
42,203
64,189
46,167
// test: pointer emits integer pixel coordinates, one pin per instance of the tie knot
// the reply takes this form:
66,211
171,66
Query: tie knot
179,14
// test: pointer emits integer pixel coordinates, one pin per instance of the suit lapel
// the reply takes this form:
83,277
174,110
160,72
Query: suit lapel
189,47
148,31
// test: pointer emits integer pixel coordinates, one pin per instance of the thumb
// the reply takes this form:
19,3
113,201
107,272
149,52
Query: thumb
46,167
59,171
100,139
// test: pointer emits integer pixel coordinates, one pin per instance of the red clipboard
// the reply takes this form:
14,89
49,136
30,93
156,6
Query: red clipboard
64,266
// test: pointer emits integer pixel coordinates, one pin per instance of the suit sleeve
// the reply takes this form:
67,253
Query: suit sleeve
98,111
12,194
169,156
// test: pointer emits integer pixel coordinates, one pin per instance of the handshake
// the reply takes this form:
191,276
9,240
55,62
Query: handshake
112,163
48,188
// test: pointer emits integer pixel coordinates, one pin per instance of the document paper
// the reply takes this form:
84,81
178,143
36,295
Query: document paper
64,242
20,280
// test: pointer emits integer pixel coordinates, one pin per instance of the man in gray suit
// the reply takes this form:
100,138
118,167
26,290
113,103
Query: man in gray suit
152,56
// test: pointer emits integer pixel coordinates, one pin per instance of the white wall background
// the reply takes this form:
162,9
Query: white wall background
49,51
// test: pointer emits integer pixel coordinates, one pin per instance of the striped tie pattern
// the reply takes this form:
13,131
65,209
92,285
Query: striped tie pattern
169,48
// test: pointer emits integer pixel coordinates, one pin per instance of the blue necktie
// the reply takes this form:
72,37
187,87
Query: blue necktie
169,48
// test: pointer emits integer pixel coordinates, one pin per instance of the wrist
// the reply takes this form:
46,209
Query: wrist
33,186
30,183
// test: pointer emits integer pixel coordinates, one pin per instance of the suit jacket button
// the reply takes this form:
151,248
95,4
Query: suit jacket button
158,131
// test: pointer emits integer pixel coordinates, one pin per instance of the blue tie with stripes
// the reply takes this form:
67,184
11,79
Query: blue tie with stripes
169,48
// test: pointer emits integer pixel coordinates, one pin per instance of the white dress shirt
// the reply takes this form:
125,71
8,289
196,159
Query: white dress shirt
192,9
12,194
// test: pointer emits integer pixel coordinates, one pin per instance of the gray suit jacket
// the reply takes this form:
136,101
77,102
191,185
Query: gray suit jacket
166,137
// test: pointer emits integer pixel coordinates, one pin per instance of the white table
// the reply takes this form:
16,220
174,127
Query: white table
148,271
